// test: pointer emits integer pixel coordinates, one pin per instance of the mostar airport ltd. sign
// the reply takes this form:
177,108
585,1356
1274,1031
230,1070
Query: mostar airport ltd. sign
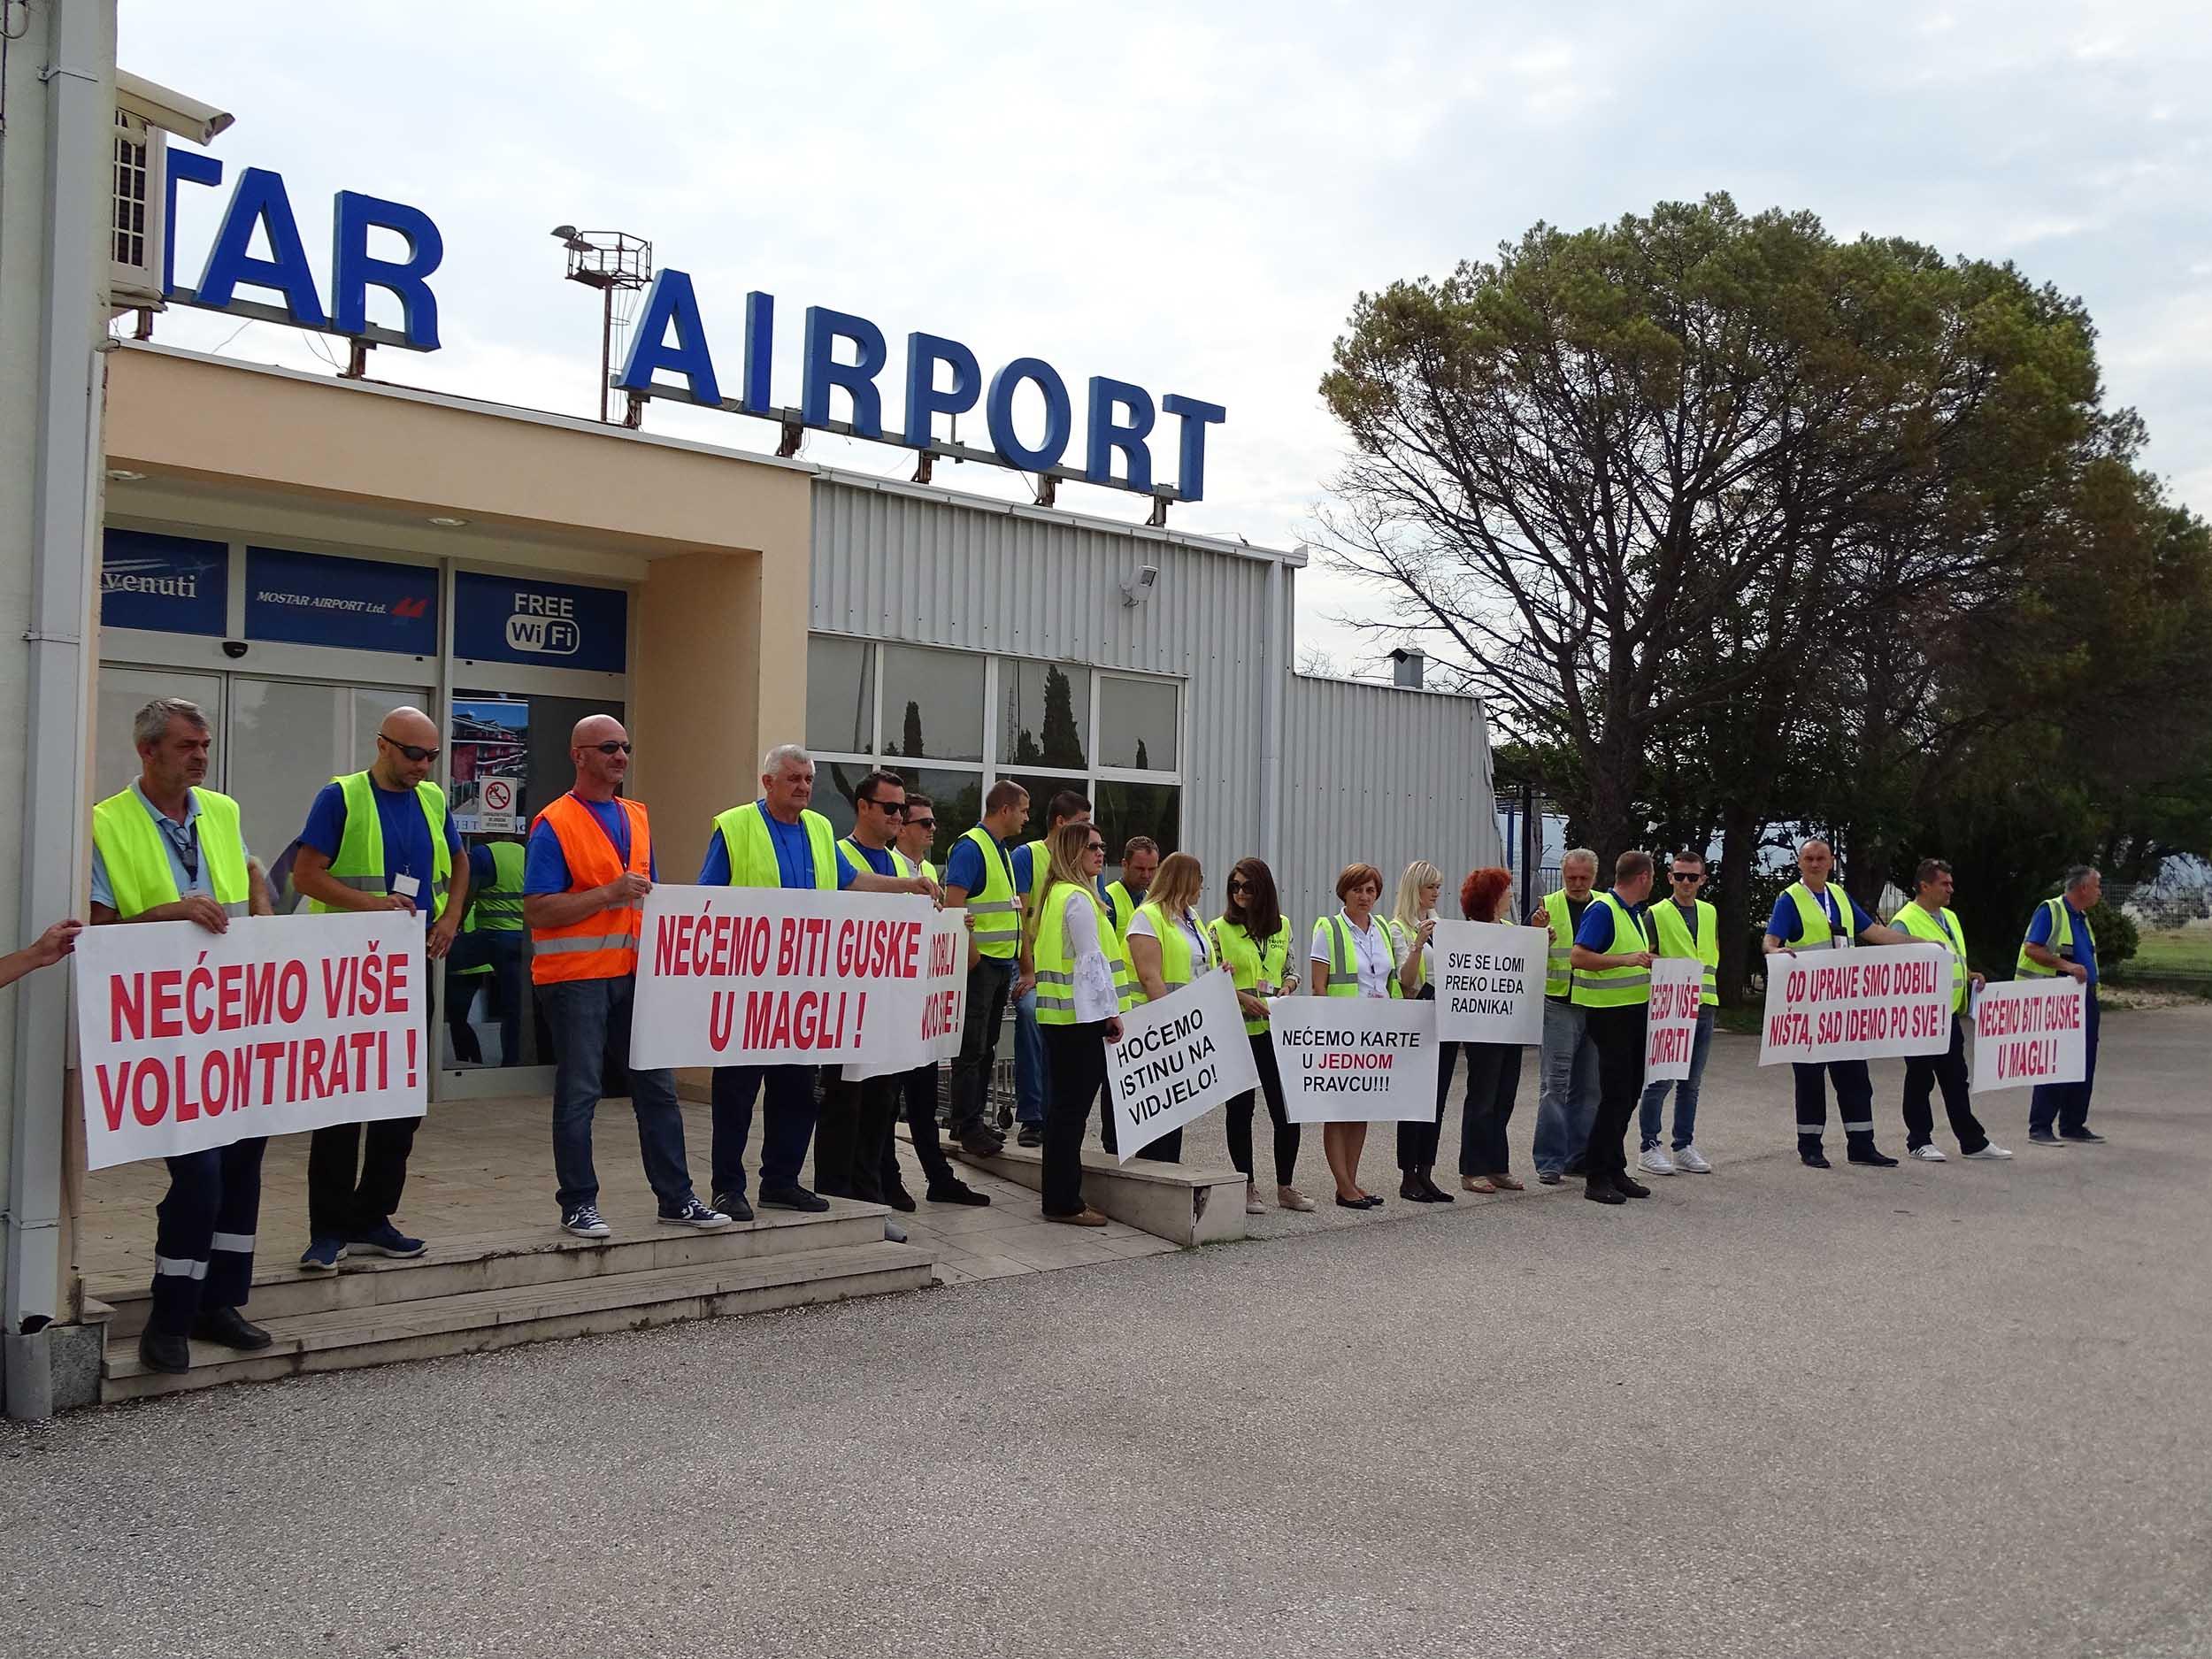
943,377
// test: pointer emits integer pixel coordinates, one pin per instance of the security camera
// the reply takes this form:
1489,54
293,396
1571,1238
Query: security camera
1138,589
234,648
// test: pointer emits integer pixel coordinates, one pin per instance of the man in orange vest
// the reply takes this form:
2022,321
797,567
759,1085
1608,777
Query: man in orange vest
586,872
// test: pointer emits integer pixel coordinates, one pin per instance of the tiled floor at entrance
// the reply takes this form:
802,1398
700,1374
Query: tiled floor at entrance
486,1167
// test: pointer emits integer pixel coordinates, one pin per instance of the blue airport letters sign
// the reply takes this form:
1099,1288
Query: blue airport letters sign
671,338
259,203
543,625
172,584
320,599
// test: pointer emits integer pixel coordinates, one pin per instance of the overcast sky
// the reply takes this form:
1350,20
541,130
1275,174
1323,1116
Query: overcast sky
1189,196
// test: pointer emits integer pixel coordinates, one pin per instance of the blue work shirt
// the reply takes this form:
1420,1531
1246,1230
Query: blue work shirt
1595,932
795,856
964,869
1785,923
173,836
482,871
545,866
407,850
2078,927
877,858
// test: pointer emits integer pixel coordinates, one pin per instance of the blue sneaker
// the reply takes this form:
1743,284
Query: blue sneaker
324,1255
384,1238
692,1213
586,1222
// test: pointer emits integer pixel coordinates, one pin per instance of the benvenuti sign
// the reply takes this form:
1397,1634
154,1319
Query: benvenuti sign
669,355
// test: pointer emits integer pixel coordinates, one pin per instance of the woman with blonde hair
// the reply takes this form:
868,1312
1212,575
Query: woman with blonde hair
1352,956
1493,1069
1253,939
1079,1011
1168,947
1412,925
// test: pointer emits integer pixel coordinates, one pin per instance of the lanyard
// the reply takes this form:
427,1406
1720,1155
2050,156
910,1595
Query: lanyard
185,838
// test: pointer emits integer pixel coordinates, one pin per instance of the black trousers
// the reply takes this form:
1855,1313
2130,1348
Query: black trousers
790,1126
1239,1119
1855,1100
1924,1073
204,1234
1417,1139
1494,1079
990,986
1075,1059
356,1173
1618,1034
852,1135
917,1099
1167,1148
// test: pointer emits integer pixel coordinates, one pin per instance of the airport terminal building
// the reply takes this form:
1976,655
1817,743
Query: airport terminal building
301,553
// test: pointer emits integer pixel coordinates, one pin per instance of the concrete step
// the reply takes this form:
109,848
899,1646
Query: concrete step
466,1264
344,1338
1182,1204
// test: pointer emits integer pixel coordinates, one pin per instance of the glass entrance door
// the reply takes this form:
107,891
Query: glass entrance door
289,737
123,693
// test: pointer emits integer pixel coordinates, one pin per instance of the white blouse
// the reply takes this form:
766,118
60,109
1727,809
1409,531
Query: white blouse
1372,955
1095,998
1201,945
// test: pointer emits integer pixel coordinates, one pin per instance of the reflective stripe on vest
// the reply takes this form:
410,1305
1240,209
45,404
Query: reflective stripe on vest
1249,961
359,863
850,851
1675,941
995,911
498,908
602,945
1815,930
1343,965
1055,956
135,851
752,851
2060,944
1939,929
1558,967
1616,987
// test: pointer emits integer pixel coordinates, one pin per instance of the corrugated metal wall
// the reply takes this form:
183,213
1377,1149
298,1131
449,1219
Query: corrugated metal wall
1379,776
1367,772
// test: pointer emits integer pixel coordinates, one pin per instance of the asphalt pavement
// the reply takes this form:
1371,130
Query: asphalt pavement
1952,1409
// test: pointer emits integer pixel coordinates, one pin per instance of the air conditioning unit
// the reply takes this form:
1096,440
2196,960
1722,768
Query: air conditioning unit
138,237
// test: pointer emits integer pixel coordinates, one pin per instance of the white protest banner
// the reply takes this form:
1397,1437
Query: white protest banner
944,1002
188,1040
2030,1031
1677,995
762,976
1366,1059
1177,1059
1875,1003
1489,982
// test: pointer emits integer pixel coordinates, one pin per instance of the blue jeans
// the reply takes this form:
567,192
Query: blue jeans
1567,1090
2066,1105
1031,1083
586,1017
1684,1091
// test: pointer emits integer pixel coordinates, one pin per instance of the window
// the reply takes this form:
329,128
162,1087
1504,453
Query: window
953,723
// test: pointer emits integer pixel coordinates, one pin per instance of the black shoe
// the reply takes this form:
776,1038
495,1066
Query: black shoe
981,1143
1437,1194
734,1205
1549,1177
1816,1159
229,1328
1030,1135
1577,1166
792,1198
1373,1201
1631,1187
1411,1190
954,1191
2087,1137
900,1200
160,1353
1351,1203
1873,1155
1599,1192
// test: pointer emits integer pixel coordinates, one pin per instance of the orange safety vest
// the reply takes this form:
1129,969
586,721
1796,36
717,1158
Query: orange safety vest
604,945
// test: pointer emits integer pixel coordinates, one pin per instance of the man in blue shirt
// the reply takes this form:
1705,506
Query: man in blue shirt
1810,915
1618,1013
2058,1113
994,962
484,952
345,1211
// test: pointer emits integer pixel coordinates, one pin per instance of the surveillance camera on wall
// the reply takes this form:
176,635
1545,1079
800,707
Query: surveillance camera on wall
1135,589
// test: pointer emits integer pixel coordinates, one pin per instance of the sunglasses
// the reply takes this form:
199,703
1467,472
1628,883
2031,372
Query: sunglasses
1095,847
921,823
884,806
1679,876
411,750
610,748
1239,887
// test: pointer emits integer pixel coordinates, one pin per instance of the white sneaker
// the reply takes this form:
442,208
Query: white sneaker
1690,1161
1990,1150
1252,1205
1929,1153
1656,1161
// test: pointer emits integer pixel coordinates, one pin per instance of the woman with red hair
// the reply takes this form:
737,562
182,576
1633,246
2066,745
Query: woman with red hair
1493,1069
